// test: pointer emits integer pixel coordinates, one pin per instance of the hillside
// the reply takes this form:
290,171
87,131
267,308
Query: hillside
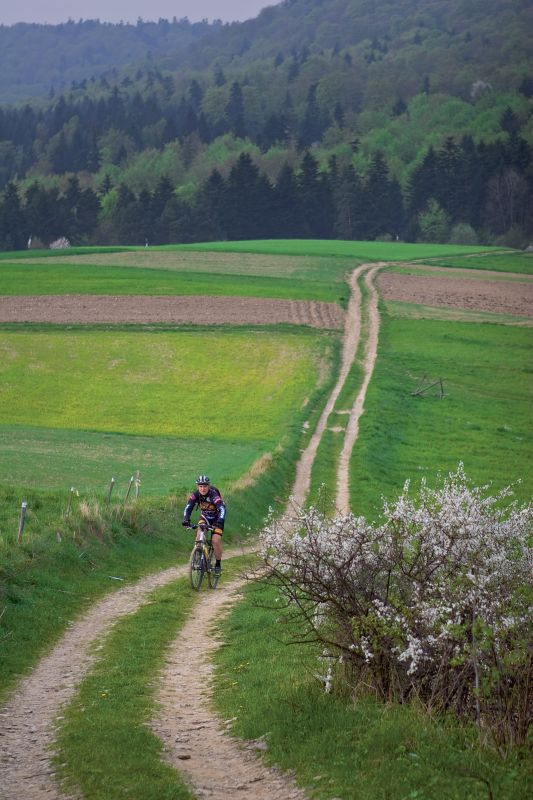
37,61
353,119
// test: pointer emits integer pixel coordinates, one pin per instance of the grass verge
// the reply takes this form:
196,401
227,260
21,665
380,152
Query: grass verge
104,743
483,419
338,747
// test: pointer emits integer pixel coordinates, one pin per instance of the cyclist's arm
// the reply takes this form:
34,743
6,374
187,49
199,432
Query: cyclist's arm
187,511
221,508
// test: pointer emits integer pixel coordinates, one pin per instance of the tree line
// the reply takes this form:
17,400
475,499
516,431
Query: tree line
462,192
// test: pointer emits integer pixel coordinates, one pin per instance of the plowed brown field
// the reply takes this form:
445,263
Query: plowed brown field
89,309
451,291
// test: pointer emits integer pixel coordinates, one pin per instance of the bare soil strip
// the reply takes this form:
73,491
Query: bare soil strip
352,429
74,309
196,742
500,296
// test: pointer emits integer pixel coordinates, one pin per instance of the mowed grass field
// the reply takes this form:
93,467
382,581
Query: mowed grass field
164,274
484,419
78,406
518,262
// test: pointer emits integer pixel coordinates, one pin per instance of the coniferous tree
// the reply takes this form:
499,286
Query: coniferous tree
316,199
382,200
13,225
288,221
314,122
347,195
249,200
235,111
211,209
422,183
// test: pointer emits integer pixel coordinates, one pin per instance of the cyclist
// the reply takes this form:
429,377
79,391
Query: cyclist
212,511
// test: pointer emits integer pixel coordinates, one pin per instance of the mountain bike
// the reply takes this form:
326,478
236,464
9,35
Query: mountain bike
202,560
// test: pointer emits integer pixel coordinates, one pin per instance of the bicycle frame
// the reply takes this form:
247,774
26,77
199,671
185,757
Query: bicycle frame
202,556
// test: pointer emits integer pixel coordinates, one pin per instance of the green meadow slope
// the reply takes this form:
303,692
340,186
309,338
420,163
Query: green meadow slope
81,403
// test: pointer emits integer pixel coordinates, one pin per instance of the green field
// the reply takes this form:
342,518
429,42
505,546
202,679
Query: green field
50,458
310,279
372,251
500,262
484,419
369,251
79,406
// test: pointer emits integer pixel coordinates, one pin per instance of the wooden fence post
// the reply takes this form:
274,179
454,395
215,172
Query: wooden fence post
110,489
69,506
22,520
137,484
132,479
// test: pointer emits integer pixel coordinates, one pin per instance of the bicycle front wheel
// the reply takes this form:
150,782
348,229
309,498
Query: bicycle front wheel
196,568
213,579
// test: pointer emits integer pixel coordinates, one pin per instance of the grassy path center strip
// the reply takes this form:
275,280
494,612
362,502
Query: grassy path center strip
105,745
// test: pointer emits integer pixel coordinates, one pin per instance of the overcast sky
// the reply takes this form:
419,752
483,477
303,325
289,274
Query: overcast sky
54,11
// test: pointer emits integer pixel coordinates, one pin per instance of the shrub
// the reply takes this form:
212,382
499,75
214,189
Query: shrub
463,233
60,244
433,603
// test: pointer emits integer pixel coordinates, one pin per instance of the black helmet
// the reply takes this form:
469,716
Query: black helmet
203,479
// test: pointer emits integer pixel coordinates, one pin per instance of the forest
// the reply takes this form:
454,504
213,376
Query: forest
331,118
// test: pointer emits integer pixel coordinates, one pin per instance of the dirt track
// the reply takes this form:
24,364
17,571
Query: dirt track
26,722
185,721
352,332
146,309
352,428
218,767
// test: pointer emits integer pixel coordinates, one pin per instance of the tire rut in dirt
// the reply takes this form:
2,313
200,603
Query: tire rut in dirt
217,766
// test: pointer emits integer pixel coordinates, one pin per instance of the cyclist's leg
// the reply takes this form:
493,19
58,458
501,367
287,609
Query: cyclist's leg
217,545
201,521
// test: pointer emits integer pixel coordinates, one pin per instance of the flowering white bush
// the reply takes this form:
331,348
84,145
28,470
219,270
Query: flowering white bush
60,244
434,602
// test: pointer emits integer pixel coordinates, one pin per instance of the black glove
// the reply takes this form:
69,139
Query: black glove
186,523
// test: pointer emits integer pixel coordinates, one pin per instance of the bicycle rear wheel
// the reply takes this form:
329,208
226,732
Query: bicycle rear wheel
196,568
213,579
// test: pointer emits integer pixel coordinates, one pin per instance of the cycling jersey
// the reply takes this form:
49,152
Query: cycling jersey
211,505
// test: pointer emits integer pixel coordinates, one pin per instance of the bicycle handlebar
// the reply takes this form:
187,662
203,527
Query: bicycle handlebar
200,525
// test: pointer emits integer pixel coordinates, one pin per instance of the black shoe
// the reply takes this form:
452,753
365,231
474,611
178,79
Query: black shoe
218,570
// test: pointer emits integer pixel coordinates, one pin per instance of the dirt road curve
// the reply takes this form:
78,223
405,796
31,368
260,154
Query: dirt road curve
218,767
186,723
26,722
82,309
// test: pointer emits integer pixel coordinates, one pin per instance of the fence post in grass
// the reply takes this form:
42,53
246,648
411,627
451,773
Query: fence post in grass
22,520
110,489
137,484
132,480
69,506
